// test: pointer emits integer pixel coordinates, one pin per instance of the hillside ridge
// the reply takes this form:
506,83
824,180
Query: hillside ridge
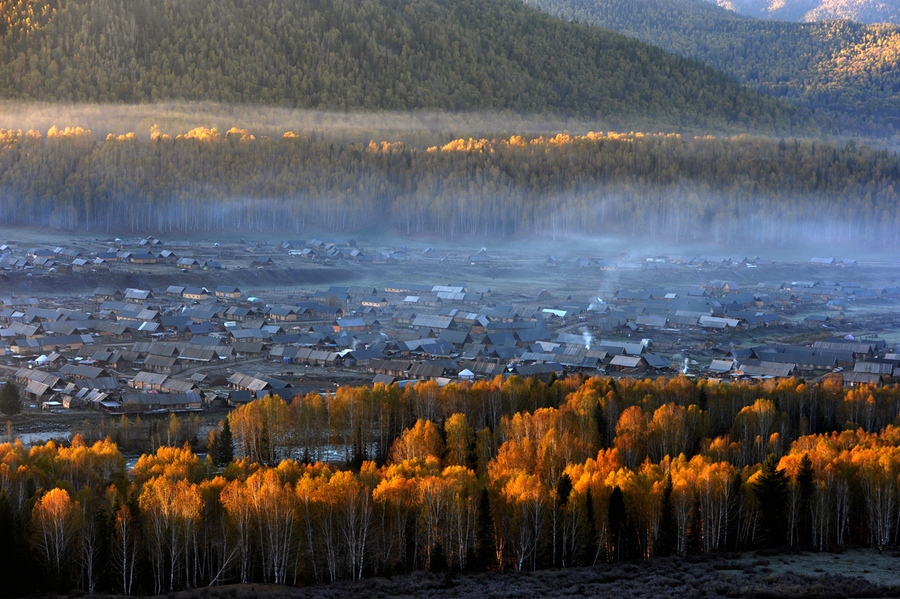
370,55
863,11
846,69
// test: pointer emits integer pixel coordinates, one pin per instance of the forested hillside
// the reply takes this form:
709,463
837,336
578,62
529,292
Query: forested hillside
846,67
375,54
863,11
498,474
665,186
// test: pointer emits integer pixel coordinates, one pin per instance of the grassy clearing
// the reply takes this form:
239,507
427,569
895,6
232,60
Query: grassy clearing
856,573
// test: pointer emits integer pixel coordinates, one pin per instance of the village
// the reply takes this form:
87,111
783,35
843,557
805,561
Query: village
195,346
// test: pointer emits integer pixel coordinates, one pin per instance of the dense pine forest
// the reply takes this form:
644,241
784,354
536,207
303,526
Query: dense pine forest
850,70
377,54
501,474
666,186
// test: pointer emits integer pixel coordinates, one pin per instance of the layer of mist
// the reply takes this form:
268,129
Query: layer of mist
175,117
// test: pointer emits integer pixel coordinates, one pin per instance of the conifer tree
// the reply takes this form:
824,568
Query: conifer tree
806,478
486,551
770,489
222,450
10,400
668,531
13,549
618,524
563,491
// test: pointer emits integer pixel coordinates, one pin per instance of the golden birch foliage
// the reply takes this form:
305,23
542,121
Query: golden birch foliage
684,484
54,522
525,504
432,499
460,437
93,466
176,463
421,442
464,493
238,503
643,499
275,515
631,436
877,471
513,457
712,493
171,508
669,432
267,427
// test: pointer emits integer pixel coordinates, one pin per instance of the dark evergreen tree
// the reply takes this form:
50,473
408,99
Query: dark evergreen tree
359,453
770,489
486,547
695,532
10,399
563,488
668,527
806,478
618,524
223,451
438,561
264,445
602,426
13,551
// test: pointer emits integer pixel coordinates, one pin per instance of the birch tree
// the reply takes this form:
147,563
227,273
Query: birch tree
55,522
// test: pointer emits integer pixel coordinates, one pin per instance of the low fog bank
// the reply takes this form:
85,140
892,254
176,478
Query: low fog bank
642,249
633,249
651,216
654,222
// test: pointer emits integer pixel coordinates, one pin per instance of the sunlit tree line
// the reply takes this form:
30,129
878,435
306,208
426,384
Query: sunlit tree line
740,422
725,189
512,474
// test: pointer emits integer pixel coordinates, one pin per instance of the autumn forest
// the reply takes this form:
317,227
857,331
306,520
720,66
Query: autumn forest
497,474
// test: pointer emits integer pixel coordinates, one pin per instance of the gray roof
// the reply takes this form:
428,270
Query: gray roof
625,361
863,378
655,361
874,368
434,322
721,366
756,368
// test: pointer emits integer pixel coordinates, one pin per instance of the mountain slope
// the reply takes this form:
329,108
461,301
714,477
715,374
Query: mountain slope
838,66
370,54
862,11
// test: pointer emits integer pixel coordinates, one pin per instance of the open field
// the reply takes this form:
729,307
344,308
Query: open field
855,573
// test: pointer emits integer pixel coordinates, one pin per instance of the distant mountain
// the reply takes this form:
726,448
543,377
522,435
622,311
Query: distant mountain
863,11
368,54
842,67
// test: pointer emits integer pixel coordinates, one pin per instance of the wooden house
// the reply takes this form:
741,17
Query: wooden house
228,292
